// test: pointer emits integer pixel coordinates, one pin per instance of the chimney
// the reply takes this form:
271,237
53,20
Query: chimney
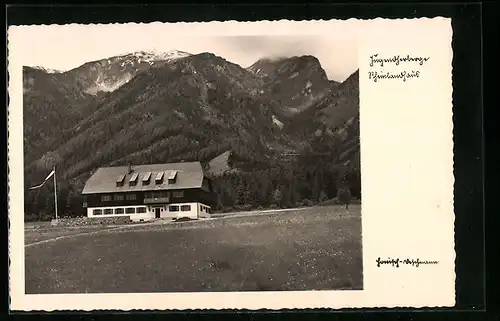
130,168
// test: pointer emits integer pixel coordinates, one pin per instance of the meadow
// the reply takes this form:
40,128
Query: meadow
317,248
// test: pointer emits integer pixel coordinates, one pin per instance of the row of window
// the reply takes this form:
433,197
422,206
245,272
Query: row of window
175,208
204,208
164,194
138,210
146,178
133,197
144,182
118,197
118,211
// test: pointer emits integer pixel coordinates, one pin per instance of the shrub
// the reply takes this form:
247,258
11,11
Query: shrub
46,217
273,206
328,202
184,219
356,201
278,196
344,196
30,218
322,197
307,202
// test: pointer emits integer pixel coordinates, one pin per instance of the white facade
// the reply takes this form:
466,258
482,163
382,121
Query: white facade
148,212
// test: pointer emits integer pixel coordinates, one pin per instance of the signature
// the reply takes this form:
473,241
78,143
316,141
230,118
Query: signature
397,262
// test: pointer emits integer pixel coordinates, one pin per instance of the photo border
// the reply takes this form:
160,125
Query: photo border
467,88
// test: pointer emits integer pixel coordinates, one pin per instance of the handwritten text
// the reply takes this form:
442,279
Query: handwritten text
404,74
396,262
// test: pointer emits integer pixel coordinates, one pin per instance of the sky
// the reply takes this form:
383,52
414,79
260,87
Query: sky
69,46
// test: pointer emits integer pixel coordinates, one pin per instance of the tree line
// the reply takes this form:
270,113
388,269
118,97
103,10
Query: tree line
288,183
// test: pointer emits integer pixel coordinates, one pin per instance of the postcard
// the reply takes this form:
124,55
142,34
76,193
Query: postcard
231,165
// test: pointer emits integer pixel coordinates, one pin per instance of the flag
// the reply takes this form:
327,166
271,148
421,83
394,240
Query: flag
49,176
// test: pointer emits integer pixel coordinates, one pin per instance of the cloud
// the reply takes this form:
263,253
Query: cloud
338,58
66,48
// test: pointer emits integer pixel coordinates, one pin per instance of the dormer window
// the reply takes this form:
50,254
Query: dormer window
159,178
133,179
146,179
119,180
172,176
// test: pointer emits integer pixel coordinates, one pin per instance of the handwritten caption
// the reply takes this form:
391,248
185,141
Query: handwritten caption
397,262
397,60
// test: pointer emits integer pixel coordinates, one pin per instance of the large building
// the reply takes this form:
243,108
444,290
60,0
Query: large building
144,192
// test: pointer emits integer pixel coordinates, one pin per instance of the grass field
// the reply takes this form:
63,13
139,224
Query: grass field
312,249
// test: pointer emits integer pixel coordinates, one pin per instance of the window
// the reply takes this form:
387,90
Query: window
119,197
159,178
131,197
133,179
202,208
185,208
161,194
145,178
119,211
108,211
119,180
130,210
141,210
172,176
173,208
97,212
178,194
105,198
158,194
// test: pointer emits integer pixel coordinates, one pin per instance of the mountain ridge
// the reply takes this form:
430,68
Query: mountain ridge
198,107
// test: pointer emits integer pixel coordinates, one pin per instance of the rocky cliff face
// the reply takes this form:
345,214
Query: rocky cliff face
295,83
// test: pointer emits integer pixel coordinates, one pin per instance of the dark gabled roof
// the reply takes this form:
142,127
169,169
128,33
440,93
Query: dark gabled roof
104,180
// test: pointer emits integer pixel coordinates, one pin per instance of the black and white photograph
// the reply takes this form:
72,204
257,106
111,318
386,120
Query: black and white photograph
223,163
231,165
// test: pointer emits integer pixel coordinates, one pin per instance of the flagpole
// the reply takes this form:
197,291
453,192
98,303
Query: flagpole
55,191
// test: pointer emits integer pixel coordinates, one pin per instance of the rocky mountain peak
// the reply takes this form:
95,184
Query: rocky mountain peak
109,74
47,70
295,82
154,55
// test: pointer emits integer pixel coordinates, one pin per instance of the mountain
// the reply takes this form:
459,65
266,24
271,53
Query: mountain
192,108
295,83
107,75
55,101
147,107
49,104
331,112
47,70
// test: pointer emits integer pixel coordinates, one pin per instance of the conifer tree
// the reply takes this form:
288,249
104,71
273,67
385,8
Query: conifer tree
344,195
277,196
